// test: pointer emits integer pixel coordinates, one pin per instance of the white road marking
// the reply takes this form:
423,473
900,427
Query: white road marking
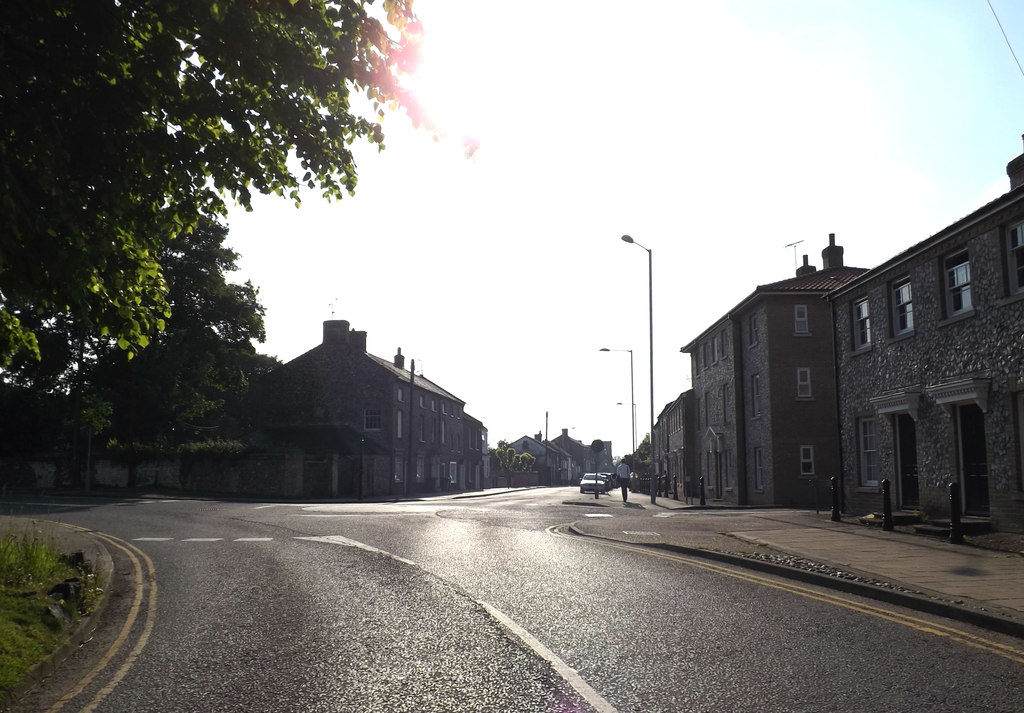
563,669
152,539
339,540
254,539
641,533
597,514
202,539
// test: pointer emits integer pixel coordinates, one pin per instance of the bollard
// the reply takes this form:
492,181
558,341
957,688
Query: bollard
835,500
956,535
886,506
702,500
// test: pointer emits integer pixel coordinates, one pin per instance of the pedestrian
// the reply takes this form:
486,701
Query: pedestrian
622,473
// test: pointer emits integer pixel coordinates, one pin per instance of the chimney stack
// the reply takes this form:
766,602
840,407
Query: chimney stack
399,359
1015,170
832,256
805,269
335,331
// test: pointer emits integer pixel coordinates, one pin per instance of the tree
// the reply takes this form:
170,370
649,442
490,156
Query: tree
126,121
188,383
511,462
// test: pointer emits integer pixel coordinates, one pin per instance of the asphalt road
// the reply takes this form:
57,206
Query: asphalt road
481,605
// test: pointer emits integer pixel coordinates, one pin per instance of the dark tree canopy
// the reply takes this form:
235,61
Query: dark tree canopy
125,121
189,383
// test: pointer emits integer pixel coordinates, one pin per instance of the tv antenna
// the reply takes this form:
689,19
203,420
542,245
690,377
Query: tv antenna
793,245
331,305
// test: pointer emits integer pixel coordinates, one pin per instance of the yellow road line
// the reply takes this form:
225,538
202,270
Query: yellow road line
928,627
140,591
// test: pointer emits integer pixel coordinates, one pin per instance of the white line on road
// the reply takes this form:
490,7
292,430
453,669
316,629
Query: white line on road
202,539
597,514
339,540
563,669
152,539
254,539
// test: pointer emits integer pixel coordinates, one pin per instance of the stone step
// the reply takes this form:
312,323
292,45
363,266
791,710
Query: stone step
898,518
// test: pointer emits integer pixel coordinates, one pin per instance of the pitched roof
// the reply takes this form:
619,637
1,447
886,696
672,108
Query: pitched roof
819,281
420,381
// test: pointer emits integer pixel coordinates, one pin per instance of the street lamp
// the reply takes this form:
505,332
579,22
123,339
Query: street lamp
632,395
650,312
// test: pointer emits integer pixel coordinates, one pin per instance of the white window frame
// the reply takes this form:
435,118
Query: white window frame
1015,258
861,323
956,270
803,382
806,461
902,297
801,322
867,452
758,468
373,419
755,395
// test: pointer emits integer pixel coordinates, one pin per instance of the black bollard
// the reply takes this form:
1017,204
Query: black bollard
835,500
701,486
886,506
956,534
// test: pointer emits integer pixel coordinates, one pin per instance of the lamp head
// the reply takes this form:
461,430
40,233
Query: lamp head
627,239
604,349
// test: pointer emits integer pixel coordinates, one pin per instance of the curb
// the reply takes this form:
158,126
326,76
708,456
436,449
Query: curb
104,568
922,603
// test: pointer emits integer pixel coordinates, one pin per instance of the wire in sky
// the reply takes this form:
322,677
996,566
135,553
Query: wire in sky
1005,37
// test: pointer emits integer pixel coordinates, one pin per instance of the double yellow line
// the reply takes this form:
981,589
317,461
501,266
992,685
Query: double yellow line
144,600
929,627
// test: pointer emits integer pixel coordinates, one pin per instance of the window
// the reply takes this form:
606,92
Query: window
433,405
803,382
372,420
861,324
443,431
423,429
727,469
717,347
755,395
419,469
698,413
399,469
707,409
800,325
725,403
421,400
758,468
707,354
958,284
752,330
806,460
401,394
868,450
398,424
1015,258
902,307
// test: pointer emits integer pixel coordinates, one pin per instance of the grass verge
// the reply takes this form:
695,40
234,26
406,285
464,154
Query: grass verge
34,623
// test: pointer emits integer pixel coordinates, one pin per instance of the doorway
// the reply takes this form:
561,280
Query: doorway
906,453
973,459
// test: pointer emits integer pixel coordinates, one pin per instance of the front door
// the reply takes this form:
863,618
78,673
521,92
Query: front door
973,459
906,446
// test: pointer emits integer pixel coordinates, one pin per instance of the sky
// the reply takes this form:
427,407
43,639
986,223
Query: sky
715,133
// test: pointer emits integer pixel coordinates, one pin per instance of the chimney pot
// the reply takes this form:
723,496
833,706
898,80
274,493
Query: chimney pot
832,256
399,359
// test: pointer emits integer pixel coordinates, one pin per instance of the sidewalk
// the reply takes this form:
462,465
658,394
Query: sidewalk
978,586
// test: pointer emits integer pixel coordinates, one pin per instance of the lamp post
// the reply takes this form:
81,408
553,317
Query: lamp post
632,394
650,313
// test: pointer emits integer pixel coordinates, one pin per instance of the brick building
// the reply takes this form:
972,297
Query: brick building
673,459
930,351
381,429
764,415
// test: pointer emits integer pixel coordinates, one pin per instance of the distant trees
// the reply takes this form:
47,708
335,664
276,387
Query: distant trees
509,461
126,122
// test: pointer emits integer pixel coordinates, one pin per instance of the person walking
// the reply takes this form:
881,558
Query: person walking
622,474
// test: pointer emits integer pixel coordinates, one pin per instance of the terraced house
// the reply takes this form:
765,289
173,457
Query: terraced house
764,426
930,349
367,425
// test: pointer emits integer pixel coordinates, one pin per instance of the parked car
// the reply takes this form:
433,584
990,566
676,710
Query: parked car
602,482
